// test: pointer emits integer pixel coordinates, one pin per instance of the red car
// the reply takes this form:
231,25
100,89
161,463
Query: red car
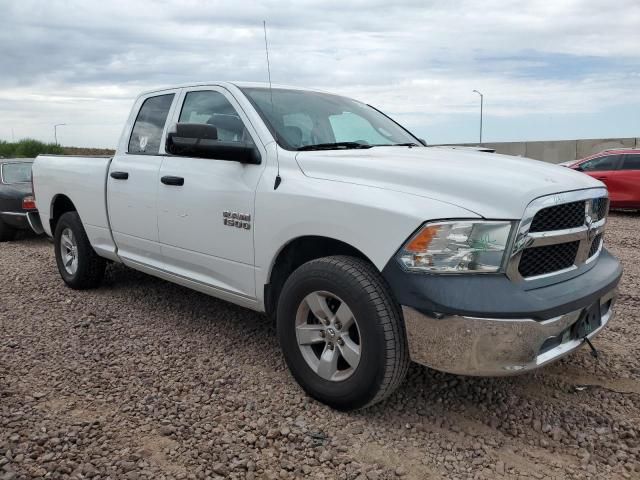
619,170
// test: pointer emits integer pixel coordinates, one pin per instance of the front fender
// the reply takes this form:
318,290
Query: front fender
374,221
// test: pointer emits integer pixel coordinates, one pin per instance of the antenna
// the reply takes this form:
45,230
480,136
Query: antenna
266,49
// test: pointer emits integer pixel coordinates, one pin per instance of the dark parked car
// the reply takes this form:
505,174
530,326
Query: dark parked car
17,205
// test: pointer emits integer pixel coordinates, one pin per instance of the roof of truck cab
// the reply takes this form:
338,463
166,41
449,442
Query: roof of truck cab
230,84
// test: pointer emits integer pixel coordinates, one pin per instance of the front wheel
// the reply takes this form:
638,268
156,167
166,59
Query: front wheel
342,333
79,265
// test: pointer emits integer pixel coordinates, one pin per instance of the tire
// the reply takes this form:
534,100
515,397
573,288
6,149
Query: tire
89,267
7,233
380,340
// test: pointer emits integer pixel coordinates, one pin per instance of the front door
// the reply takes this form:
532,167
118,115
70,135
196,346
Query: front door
132,183
205,222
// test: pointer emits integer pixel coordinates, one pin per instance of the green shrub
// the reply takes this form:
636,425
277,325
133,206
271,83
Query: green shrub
28,148
7,149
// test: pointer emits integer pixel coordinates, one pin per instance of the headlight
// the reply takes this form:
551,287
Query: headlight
457,247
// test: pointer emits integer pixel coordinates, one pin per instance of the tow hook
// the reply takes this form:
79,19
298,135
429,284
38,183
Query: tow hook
594,352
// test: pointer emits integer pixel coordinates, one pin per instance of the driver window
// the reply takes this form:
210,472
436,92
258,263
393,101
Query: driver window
609,162
214,109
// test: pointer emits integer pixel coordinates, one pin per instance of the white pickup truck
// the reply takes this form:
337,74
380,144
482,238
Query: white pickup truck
367,247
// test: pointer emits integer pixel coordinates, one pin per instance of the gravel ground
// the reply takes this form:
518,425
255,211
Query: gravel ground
143,379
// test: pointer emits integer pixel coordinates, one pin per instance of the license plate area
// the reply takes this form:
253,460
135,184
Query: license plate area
589,321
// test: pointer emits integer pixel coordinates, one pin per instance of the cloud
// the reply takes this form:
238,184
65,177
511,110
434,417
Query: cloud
83,62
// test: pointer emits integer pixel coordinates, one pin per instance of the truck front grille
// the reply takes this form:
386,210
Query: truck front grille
551,258
559,217
600,208
558,234
595,245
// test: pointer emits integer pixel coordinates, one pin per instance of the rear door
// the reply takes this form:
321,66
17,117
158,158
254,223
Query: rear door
603,169
200,240
132,182
626,181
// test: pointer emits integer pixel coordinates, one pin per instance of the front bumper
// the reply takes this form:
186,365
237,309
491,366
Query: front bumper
488,325
495,346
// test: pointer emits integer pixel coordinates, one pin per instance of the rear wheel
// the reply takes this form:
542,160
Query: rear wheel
79,265
341,333
6,232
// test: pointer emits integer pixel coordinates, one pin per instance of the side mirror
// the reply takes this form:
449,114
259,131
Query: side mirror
423,141
201,140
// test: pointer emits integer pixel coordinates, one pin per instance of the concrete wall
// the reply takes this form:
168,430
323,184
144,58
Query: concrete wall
561,150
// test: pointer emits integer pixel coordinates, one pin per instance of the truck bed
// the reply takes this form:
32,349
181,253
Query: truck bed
82,179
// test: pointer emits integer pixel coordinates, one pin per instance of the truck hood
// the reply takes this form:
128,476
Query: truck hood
490,185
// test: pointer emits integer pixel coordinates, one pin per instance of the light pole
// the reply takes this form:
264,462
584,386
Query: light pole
481,105
55,131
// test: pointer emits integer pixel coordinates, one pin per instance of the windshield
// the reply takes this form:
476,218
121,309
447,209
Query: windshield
16,172
304,120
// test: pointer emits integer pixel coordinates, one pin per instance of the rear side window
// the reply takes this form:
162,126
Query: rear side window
631,162
16,173
147,131
608,162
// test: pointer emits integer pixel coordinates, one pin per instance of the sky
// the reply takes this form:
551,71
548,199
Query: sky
549,70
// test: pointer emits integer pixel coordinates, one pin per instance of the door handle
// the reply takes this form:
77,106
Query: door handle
120,175
169,180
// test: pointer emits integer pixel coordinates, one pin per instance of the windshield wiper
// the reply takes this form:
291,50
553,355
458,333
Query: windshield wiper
334,146
408,144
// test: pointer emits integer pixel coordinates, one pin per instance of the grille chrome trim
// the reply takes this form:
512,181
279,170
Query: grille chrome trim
584,234
540,239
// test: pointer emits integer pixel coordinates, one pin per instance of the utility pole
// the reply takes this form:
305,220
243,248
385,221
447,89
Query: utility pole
481,105
55,131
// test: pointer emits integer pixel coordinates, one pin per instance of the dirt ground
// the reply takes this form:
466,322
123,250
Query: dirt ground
142,379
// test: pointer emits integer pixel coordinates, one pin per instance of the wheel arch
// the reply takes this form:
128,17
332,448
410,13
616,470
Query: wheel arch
60,204
296,252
